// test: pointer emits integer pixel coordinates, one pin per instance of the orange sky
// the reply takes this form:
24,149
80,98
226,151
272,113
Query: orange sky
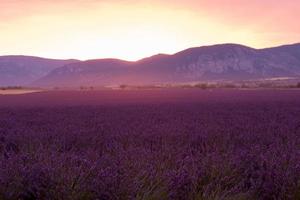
132,29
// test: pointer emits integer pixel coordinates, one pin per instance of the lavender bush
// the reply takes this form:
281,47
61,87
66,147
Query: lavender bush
206,150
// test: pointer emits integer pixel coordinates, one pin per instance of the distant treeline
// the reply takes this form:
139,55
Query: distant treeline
215,85
11,88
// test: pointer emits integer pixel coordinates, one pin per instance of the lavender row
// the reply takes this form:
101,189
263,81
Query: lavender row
230,150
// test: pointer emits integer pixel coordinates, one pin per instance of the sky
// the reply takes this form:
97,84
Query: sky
133,29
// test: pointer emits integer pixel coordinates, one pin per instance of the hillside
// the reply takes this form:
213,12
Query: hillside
23,70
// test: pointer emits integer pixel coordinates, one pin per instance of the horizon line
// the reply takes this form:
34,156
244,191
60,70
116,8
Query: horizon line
111,58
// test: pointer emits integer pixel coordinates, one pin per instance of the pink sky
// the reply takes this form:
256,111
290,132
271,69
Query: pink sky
132,29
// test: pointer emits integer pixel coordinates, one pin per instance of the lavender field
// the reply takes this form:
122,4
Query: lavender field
151,145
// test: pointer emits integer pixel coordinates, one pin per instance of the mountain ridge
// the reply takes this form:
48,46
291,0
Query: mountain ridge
217,62
20,70
207,63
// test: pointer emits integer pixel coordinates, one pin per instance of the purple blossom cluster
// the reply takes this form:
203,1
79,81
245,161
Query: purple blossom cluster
206,150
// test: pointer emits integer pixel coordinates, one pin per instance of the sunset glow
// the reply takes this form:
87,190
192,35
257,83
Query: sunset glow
131,29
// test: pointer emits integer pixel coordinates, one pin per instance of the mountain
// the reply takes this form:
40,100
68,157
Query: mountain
218,62
225,62
92,72
207,63
23,70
